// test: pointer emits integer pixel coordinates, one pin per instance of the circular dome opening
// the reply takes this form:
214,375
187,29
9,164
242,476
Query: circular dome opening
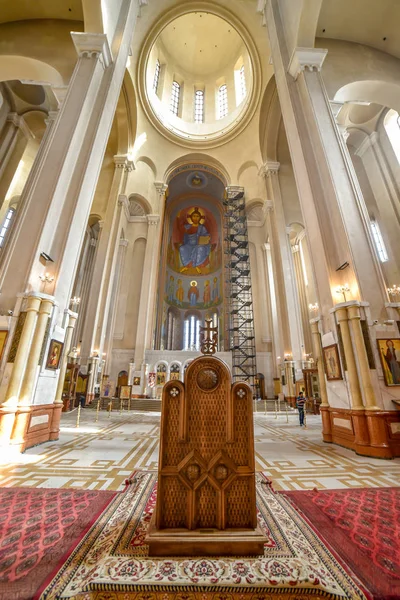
198,77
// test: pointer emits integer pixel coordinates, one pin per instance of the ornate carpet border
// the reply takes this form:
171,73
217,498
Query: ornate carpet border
82,572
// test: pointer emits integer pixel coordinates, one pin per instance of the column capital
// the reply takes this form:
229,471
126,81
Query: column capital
306,58
336,107
123,201
161,187
267,247
19,121
93,242
123,242
364,146
234,190
59,91
89,44
269,168
51,117
122,161
374,138
295,248
269,206
343,131
153,219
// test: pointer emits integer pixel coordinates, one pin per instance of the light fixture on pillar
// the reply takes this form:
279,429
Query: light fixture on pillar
313,307
75,302
46,278
394,291
288,356
343,289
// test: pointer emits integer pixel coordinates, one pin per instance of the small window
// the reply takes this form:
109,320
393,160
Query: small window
191,333
243,90
379,243
222,101
175,94
6,225
156,79
199,106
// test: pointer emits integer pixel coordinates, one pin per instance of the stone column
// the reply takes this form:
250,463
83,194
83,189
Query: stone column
29,378
59,191
93,364
9,406
354,318
319,359
112,311
302,298
82,291
14,139
131,372
342,320
147,293
283,266
334,211
71,316
385,197
278,342
104,266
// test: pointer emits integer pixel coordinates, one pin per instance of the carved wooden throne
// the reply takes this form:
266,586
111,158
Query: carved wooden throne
206,501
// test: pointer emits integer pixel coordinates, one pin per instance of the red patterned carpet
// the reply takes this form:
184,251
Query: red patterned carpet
363,527
38,529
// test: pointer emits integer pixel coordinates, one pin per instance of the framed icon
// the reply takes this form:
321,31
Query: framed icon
125,392
333,369
54,355
3,339
136,381
389,353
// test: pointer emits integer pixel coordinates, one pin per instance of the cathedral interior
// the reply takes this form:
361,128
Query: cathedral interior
199,224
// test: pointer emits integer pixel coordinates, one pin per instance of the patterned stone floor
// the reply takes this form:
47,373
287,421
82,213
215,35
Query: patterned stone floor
101,455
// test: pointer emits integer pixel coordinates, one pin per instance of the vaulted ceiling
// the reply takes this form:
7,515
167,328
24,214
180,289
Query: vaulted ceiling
21,10
371,22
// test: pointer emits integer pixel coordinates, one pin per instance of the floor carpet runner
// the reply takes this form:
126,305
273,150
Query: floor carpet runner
38,527
111,562
363,527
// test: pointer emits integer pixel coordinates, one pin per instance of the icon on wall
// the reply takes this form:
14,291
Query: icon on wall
332,363
54,355
136,381
389,353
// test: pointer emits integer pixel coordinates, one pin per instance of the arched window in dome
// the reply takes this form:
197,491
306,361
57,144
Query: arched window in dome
175,97
191,331
243,90
6,225
199,106
156,79
392,126
222,101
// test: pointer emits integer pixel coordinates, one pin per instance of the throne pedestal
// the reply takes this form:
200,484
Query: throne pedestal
206,502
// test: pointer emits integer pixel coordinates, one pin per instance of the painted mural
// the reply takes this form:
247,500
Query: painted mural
194,246
187,292
191,270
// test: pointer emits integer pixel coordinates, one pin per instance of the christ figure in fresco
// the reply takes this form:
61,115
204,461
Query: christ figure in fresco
196,247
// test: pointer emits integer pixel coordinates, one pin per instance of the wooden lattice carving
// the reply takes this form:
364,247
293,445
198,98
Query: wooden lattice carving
206,484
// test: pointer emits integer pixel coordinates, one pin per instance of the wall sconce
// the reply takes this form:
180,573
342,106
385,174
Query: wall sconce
394,291
75,301
343,289
313,307
288,356
46,278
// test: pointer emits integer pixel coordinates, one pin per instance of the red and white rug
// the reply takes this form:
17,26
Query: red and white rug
39,528
111,562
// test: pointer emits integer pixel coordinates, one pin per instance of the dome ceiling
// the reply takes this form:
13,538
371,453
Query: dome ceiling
200,43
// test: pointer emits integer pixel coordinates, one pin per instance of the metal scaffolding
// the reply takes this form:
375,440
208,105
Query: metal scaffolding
240,323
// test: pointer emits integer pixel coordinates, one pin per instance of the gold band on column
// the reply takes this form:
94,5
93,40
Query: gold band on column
64,361
356,398
365,375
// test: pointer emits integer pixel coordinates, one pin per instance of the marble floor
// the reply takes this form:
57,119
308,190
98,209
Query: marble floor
101,455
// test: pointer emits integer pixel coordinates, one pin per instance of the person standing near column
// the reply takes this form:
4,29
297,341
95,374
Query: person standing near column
300,403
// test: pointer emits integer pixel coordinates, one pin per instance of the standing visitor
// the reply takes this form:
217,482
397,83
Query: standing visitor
300,403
